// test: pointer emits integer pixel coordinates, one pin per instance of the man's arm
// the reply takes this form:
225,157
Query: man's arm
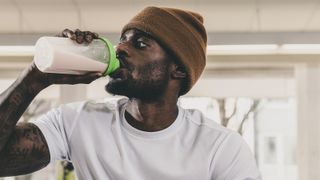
234,160
16,145
26,151
22,147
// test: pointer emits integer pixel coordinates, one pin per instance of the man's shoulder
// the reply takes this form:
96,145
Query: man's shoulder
198,119
209,133
102,105
89,114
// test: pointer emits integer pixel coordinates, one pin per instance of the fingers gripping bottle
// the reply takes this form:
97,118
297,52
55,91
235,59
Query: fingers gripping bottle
64,56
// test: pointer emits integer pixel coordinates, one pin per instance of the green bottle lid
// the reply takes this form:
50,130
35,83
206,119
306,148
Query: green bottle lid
113,62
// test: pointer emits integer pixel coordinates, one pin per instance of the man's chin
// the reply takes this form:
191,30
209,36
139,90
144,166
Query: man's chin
116,87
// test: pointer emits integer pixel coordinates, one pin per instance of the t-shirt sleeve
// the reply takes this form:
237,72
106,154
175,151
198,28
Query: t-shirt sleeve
56,126
234,160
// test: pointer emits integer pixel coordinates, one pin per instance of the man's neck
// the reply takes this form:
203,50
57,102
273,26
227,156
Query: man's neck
151,116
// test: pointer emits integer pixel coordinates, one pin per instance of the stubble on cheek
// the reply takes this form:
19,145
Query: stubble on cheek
140,82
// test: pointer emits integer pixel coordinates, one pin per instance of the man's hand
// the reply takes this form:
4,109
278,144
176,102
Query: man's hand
38,80
79,36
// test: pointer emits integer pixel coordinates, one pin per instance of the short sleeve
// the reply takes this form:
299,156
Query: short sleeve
56,126
234,161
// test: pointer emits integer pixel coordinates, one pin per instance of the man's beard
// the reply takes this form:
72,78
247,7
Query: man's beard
152,82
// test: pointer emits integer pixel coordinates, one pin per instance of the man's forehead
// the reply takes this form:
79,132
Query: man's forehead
135,32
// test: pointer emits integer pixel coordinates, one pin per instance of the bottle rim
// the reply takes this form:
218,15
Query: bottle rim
113,62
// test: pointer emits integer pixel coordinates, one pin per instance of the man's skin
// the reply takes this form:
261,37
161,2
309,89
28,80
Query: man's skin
148,76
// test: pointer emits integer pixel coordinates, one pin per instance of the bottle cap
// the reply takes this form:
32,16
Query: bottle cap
113,62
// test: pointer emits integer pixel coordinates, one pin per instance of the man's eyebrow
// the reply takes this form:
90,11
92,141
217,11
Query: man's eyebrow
144,34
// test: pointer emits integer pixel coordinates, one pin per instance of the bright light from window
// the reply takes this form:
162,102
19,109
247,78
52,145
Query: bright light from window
263,49
16,50
242,49
301,48
211,49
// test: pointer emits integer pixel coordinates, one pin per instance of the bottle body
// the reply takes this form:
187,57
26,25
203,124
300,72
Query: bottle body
63,56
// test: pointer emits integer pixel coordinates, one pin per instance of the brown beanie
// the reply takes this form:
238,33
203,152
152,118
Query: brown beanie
181,32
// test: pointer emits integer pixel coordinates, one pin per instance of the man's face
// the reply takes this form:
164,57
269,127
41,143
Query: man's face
144,71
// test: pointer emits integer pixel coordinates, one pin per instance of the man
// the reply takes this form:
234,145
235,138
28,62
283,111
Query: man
144,137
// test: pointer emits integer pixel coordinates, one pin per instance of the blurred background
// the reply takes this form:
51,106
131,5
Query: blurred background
262,77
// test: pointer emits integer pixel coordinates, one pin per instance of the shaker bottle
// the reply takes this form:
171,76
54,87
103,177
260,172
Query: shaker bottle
64,56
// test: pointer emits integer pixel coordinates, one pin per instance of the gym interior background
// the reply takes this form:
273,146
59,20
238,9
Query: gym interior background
262,77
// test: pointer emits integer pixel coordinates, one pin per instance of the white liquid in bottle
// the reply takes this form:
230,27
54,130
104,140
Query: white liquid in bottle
63,56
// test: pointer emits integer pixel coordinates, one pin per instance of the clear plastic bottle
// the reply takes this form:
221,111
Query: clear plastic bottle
64,56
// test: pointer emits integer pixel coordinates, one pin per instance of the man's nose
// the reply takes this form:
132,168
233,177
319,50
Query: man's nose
122,49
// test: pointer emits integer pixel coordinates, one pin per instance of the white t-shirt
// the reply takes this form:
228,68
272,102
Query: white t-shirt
102,145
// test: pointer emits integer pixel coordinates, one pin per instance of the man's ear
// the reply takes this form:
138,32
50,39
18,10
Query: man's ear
178,72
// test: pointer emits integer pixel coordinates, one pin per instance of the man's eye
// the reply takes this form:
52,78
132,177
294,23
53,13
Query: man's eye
141,44
122,40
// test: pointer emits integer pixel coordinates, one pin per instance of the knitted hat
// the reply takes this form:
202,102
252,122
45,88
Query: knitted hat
181,32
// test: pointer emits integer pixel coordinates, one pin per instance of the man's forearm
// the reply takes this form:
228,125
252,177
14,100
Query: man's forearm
13,103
